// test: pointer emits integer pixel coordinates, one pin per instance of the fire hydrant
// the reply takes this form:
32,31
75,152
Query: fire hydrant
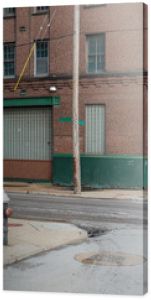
7,212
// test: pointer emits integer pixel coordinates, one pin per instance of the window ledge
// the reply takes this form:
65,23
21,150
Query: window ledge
93,6
40,13
41,75
9,77
96,73
9,17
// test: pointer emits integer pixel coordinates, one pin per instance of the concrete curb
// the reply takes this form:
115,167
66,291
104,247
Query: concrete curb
102,194
138,199
28,238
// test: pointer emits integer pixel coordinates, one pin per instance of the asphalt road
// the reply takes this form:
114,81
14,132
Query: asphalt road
61,271
78,210
117,233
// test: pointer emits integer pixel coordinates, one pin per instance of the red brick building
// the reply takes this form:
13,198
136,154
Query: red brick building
112,94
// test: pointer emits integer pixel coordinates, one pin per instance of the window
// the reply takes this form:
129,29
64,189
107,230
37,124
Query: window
41,58
9,11
95,51
95,129
9,60
40,9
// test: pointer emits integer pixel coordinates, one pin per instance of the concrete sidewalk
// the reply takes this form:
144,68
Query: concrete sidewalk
28,238
48,188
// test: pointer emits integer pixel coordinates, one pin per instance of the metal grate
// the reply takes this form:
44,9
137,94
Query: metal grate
27,133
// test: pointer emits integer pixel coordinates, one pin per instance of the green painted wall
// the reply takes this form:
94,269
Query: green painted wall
118,171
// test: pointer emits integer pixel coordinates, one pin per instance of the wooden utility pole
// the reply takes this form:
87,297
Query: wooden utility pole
75,102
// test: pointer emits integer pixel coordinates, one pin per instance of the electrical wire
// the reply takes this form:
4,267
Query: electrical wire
33,48
49,24
64,36
51,39
41,27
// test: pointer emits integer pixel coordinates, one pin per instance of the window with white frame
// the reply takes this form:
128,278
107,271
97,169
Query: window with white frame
41,58
9,60
95,129
9,11
95,53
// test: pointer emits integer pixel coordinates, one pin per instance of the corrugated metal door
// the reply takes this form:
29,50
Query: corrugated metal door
95,129
27,133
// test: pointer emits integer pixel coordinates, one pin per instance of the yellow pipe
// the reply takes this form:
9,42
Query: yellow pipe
24,67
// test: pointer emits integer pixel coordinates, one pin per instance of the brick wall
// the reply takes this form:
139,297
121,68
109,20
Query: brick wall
121,94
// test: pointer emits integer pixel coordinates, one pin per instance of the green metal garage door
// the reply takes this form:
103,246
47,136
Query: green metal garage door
27,133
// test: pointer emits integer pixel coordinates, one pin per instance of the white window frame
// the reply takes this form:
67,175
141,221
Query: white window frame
13,75
35,61
87,53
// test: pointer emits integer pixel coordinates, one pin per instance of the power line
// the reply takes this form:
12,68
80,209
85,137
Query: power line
41,27
67,35
48,39
50,21
33,48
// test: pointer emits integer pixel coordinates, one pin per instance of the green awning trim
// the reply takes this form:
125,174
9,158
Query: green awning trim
42,101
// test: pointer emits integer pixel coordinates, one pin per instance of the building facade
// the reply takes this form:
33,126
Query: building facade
112,94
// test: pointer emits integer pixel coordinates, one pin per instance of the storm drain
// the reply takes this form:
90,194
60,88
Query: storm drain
93,232
106,258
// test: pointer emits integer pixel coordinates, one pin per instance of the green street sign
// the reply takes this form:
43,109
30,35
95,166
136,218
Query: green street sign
69,120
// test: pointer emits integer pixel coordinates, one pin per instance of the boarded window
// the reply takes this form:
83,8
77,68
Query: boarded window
27,133
95,129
